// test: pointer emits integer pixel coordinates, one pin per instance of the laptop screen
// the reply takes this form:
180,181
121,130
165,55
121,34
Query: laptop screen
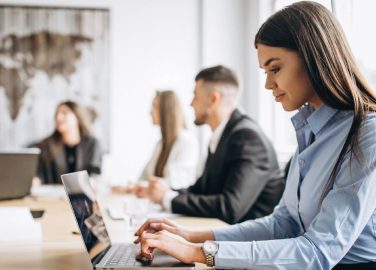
17,169
87,213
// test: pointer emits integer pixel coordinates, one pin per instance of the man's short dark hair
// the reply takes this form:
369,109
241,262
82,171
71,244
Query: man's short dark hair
218,74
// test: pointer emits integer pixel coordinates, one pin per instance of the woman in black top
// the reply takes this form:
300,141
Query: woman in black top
71,147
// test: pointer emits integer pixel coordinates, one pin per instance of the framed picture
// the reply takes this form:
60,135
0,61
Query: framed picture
49,55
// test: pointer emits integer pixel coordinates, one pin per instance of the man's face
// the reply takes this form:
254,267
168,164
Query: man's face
201,103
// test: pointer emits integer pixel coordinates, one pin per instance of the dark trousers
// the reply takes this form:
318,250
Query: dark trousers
357,266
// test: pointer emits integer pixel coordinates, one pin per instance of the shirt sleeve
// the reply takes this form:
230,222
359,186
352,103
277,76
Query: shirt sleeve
277,225
343,215
167,198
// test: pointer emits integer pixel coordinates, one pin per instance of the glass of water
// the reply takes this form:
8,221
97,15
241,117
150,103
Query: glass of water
135,212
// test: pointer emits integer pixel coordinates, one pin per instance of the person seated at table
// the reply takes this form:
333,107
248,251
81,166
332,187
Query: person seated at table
175,156
241,179
71,147
327,215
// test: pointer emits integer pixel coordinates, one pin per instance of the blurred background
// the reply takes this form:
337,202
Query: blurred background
119,52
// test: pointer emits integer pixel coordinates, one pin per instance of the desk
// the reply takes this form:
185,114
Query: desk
60,248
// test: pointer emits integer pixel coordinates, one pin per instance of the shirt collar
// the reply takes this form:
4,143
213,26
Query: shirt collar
316,119
217,134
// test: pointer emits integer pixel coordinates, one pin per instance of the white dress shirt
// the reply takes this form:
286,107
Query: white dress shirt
217,134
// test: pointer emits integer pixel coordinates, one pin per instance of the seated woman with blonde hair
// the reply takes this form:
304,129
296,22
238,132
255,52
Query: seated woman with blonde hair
175,156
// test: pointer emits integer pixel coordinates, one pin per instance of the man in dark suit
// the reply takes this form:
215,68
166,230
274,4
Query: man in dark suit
241,179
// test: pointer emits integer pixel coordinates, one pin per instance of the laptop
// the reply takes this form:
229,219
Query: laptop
17,169
102,253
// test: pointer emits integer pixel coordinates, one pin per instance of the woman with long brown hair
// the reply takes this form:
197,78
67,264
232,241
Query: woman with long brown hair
71,147
327,215
175,156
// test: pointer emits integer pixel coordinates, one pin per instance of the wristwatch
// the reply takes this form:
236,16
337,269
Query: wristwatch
210,248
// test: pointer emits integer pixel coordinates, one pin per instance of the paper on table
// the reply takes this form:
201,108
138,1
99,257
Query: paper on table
50,191
18,225
163,215
115,211
156,211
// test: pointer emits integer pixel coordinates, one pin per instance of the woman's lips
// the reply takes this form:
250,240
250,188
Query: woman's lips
279,97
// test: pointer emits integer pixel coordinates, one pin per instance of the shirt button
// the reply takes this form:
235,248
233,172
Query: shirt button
301,162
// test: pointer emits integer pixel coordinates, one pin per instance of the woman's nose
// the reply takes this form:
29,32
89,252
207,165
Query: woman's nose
269,83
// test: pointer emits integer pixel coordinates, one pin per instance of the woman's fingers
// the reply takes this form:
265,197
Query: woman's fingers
146,225
162,226
138,239
155,225
143,228
143,258
140,191
149,242
168,243
169,222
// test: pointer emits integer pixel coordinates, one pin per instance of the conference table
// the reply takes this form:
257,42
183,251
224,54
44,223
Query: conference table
61,246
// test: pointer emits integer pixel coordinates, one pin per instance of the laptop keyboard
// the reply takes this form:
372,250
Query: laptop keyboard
124,255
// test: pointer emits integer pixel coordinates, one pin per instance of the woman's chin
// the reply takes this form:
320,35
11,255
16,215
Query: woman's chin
288,107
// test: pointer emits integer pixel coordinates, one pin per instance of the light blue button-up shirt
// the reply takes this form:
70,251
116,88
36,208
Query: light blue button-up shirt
301,233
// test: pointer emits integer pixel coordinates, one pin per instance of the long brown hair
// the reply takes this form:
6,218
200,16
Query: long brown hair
311,30
171,121
82,118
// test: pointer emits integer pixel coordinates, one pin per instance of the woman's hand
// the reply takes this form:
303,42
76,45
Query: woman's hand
123,189
36,182
119,189
157,189
170,244
154,225
140,190
163,224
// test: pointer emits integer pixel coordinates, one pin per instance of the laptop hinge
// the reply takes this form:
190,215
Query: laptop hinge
100,256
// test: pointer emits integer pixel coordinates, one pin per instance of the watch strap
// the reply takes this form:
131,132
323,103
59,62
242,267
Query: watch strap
209,260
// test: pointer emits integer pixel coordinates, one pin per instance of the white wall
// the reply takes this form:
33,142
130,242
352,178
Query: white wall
163,44
155,45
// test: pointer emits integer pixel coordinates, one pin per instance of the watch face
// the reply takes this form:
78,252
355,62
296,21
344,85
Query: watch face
210,247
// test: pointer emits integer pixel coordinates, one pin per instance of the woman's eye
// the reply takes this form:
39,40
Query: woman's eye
274,70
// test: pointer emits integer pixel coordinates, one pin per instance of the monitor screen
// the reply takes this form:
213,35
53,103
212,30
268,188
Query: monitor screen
87,213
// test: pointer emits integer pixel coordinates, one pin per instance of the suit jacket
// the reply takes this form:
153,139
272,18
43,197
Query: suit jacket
240,181
53,163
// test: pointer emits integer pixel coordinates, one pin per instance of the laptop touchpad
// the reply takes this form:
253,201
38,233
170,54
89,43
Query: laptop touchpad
160,259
